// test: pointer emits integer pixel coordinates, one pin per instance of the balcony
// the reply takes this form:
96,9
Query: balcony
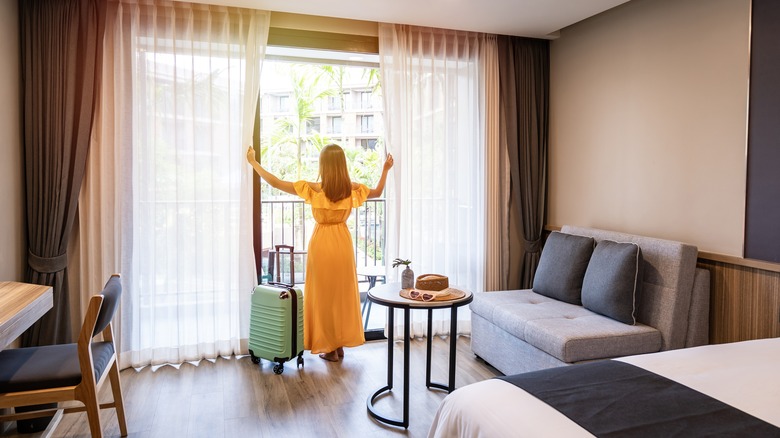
289,222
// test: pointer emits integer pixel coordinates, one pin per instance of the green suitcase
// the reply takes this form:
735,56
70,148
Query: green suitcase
276,324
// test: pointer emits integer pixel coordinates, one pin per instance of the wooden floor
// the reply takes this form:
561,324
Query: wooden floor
234,398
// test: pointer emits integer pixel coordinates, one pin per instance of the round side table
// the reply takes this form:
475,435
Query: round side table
388,295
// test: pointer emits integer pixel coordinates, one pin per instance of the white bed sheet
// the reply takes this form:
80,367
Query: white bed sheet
741,374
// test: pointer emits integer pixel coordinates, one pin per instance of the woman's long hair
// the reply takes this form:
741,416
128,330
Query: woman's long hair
334,175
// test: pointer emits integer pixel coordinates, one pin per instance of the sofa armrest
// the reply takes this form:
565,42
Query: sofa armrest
699,312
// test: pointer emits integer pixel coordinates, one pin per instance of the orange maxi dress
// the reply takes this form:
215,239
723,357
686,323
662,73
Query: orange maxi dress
331,300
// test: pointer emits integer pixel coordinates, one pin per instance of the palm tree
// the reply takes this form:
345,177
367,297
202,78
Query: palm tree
336,74
306,92
373,80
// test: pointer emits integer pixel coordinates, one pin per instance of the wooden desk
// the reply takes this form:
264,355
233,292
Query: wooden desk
21,304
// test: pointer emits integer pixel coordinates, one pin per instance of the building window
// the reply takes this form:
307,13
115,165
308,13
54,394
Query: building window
334,102
335,124
283,104
313,125
365,99
366,124
367,143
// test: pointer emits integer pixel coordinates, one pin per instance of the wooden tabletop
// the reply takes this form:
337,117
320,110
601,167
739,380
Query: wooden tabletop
21,304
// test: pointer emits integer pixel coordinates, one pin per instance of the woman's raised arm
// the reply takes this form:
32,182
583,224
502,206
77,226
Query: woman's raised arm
380,186
285,186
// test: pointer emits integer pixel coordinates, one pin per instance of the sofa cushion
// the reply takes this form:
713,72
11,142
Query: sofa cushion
562,267
613,280
565,331
669,269
591,337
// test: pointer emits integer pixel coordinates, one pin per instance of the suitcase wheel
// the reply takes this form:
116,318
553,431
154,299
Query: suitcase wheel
279,368
300,361
255,359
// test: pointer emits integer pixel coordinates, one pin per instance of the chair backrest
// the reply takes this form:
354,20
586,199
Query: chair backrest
111,293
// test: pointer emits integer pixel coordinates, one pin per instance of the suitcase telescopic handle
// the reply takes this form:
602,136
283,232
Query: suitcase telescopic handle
289,249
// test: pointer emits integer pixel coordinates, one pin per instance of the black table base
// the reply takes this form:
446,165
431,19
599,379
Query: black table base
385,390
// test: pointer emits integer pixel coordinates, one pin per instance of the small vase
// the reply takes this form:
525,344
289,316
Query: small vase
407,278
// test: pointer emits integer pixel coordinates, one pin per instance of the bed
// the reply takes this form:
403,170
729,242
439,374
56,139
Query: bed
741,375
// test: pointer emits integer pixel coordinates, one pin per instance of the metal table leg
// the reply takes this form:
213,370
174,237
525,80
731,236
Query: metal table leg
404,422
429,342
453,346
450,386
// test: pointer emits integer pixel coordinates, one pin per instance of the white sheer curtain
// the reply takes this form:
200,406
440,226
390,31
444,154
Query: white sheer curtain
167,197
434,86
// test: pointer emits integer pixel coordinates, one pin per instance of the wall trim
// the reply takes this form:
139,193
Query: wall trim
322,40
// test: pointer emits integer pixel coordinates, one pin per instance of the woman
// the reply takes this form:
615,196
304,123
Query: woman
331,299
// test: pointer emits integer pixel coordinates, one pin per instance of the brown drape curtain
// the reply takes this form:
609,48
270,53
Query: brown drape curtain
61,45
524,76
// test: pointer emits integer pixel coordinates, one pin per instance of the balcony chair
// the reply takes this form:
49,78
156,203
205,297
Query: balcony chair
59,373
371,274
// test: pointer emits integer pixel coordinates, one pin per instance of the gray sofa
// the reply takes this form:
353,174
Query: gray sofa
519,331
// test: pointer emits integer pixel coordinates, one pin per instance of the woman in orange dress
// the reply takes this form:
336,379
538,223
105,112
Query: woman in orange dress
331,300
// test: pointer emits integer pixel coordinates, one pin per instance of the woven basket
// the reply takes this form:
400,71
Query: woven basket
433,282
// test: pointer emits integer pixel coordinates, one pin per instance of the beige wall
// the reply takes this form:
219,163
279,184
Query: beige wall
648,121
12,228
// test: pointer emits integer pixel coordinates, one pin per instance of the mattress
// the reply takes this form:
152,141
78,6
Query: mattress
742,375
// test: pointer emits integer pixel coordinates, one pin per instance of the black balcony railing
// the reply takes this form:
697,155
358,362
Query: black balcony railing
290,222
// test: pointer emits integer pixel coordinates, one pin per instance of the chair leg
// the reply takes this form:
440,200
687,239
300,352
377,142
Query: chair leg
119,404
93,414
368,315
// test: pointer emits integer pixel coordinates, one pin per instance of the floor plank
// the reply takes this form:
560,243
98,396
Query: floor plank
234,397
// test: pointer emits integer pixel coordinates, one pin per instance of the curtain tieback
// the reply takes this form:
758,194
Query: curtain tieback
47,265
533,246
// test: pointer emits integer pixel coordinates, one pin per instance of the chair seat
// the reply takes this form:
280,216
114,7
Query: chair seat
49,366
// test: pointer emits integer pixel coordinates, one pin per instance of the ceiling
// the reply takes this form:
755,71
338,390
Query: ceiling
530,18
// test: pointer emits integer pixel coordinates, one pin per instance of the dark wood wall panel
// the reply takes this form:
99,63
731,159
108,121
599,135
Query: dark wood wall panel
744,303
762,209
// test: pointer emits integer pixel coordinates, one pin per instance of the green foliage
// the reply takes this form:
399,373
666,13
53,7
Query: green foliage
373,81
374,251
291,143
291,131
290,147
365,166
399,261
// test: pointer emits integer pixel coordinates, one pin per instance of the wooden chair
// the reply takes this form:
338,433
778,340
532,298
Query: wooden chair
59,373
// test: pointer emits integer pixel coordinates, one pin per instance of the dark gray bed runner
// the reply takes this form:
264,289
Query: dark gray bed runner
616,399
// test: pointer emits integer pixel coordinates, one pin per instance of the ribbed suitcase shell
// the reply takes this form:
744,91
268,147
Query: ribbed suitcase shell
271,325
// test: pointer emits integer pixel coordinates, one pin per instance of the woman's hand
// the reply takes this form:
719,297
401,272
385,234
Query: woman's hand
388,162
250,155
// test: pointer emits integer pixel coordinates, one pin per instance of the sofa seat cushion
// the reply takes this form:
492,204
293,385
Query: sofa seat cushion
565,331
